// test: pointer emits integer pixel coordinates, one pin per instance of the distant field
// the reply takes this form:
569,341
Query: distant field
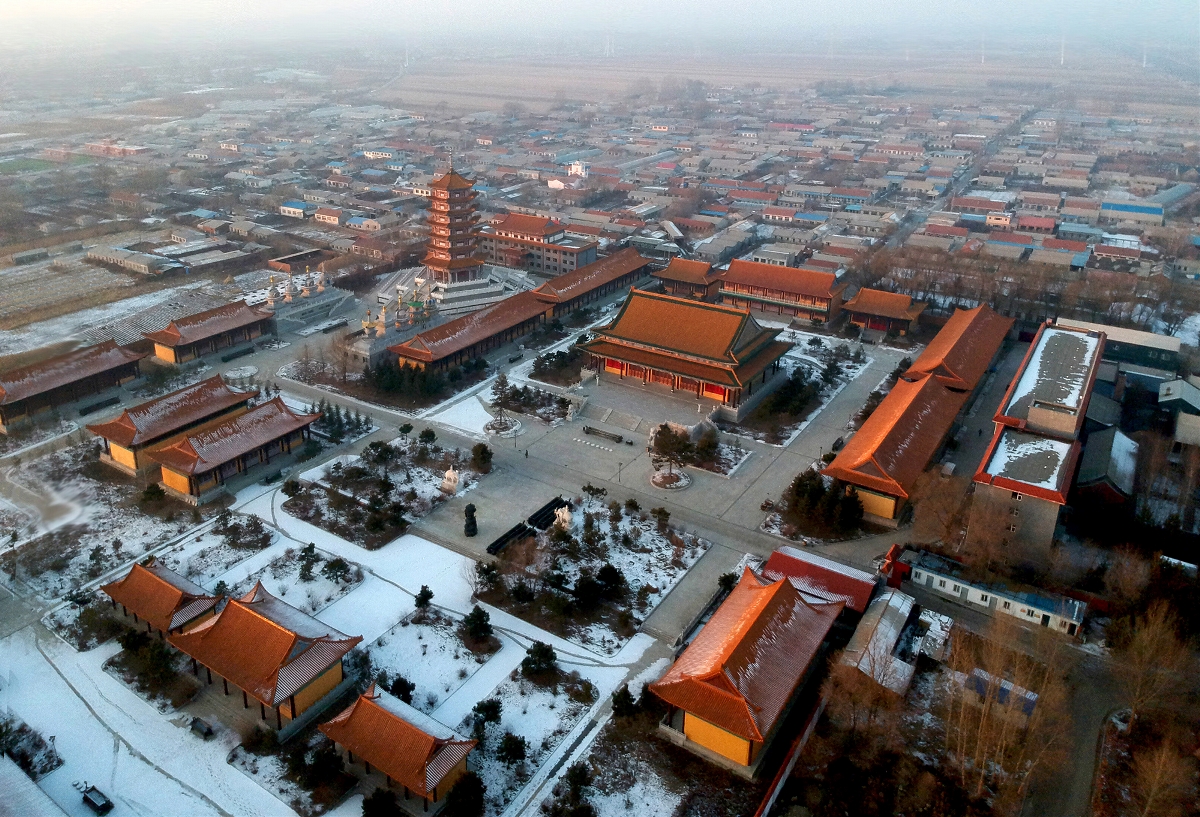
1092,81
15,166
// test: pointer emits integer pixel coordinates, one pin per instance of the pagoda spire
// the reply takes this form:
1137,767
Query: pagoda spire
452,255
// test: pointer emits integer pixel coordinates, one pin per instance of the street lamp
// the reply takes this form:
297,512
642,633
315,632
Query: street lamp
618,473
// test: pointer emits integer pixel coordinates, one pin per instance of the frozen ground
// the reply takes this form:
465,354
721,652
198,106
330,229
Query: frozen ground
430,655
105,529
467,415
144,762
70,326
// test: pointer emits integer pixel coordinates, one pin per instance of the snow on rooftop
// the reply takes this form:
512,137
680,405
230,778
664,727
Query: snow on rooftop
416,717
1057,372
827,563
1028,458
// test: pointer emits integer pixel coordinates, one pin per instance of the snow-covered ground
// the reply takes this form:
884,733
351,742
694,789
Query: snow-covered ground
430,655
467,415
281,577
652,562
105,528
204,557
144,762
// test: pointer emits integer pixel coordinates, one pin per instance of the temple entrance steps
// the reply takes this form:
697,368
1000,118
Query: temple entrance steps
610,416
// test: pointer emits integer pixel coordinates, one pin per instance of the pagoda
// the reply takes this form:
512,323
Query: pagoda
452,255
455,276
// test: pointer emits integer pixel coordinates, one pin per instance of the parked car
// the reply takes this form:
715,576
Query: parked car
837,445
96,800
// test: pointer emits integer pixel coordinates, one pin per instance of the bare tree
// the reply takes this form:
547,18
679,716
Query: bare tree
858,703
1154,661
1162,779
938,507
1187,493
1004,710
1128,575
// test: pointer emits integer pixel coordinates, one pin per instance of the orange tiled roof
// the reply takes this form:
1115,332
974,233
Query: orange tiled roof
884,304
451,181
402,742
208,324
160,596
741,671
527,225
220,441
461,333
960,353
39,378
571,285
811,283
266,647
895,443
169,413
689,272
713,332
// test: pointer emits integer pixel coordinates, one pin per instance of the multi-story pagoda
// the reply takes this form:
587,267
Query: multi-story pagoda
452,255
456,276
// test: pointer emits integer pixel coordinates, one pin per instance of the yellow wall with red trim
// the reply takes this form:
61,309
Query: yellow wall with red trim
316,690
716,739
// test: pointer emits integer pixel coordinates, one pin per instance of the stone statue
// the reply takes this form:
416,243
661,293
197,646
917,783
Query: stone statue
450,483
563,518
470,526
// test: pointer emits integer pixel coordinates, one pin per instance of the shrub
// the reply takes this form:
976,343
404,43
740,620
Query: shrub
623,703
540,660
424,596
478,623
381,803
727,581
427,436
290,487
522,593
153,493
485,712
336,570
512,749
402,688
466,799
481,458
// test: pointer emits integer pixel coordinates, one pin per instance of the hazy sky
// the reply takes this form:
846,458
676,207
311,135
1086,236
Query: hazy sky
178,23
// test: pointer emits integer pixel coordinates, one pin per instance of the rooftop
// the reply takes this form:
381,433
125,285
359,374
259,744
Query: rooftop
1029,464
402,742
810,283
884,304
160,596
221,440
171,412
62,370
266,647
1057,373
897,441
742,669
961,351
211,323
821,577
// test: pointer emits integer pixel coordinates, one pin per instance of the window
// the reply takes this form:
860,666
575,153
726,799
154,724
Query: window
957,588
983,597
1012,528
1007,606
1014,511
916,575
941,582
1017,495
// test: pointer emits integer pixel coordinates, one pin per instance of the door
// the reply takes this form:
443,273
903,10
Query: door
1045,619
